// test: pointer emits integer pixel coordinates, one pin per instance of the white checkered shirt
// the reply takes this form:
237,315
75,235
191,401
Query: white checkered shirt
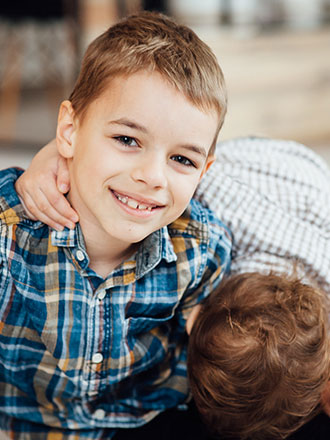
275,197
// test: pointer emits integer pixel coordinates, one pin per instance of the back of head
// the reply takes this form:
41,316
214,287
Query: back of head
151,41
259,356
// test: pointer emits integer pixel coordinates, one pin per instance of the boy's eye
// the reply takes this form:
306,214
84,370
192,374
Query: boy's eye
127,140
184,161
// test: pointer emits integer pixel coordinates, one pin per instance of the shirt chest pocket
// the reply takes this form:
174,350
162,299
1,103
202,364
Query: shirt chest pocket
143,324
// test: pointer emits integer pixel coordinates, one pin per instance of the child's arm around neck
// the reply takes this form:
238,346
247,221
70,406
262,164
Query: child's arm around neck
42,187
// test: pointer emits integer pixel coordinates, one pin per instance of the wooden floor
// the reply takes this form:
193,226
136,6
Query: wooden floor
278,83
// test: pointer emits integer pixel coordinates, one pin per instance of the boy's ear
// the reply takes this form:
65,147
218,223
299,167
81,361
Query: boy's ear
66,125
209,161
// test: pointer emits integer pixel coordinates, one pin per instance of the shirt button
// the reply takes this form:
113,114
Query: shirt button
101,295
80,255
97,358
99,414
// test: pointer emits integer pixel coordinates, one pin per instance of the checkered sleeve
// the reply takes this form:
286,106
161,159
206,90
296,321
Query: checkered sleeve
214,264
275,198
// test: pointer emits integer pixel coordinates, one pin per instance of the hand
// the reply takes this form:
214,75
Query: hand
192,318
325,400
42,186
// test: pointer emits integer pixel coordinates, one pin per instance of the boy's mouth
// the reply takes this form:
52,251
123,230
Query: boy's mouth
134,204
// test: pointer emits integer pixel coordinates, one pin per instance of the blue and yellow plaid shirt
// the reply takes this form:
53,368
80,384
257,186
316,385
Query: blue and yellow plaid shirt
79,353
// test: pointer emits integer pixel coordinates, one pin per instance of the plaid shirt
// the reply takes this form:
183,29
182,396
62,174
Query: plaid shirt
82,354
275,198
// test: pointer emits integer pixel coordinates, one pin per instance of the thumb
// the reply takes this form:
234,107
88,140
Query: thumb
63,176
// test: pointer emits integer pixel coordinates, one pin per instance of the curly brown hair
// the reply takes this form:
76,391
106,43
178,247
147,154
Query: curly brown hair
258,356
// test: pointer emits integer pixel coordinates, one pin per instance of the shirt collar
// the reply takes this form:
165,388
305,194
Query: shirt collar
152,250
67,237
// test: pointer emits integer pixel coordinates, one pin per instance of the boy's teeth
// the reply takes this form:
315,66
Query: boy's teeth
133,203
122,199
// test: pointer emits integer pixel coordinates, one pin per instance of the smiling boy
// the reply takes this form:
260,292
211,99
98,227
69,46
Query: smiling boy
147,155
92,320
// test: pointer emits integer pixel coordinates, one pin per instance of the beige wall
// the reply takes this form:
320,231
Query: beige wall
278,84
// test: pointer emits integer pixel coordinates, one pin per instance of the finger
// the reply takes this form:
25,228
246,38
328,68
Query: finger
27,211
42,217
51,205
63,177
58,203
41,208
50,222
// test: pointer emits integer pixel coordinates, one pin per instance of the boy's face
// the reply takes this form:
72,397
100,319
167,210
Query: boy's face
136,157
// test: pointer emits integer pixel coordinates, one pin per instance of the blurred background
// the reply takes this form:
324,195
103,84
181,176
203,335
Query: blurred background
275,55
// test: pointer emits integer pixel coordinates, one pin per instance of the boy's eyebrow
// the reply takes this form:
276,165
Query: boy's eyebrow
129,123
196,149
135,125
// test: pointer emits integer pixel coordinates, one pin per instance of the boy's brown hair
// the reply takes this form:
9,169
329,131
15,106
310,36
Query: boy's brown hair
259,356
151,41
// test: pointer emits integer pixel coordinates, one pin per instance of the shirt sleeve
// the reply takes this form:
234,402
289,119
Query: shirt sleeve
4,275
8,200
275,198
215,264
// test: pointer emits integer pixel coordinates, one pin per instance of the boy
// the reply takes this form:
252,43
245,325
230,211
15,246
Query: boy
275,197
259,356
276,201
93,319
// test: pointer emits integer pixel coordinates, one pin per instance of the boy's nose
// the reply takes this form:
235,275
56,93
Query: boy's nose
151,171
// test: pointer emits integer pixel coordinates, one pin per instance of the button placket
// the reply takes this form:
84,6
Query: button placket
80,255
101,295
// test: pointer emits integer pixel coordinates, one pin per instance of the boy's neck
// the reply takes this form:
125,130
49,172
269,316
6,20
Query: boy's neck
104,266
104,253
